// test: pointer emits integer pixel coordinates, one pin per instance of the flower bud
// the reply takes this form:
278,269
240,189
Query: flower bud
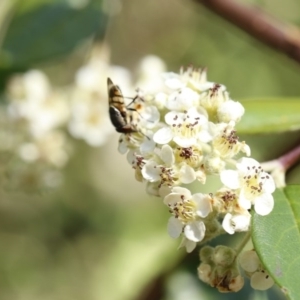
204,272
249,261
213,164
224,256
206,254
261,281
227,280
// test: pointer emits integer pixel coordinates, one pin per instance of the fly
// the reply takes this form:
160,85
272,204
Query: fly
120,115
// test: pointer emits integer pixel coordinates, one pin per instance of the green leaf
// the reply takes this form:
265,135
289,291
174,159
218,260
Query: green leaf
270,116
48,31
276,238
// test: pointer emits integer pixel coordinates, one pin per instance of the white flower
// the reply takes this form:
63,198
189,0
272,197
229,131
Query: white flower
90,77
173,81
225,201
32,85
182,100
191,77
50,148
89,119
226,142
255,185
163,168
160,100
194,231
185,129
151,171
149,70
196,78
192,156
213,164
32,100
212,99
148,115
236,223
230,111
28,152
49,115
188,212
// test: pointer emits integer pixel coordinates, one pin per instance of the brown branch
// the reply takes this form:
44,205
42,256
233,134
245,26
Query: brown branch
283,37
289,159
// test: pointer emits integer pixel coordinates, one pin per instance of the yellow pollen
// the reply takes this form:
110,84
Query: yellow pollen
184,210
253,181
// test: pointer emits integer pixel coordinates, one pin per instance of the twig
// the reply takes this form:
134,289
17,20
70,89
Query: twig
289,159
7,8
278,167
283,37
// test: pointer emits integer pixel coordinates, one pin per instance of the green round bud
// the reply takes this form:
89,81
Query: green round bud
224,256
206,254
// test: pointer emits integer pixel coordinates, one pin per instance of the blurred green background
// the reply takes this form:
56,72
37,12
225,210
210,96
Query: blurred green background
99,236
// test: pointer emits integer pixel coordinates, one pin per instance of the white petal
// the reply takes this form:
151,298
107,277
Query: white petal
182,99
131,156
172,117
246,162
167,155
189,245
230,178
149,117
147,146
244,202
122,148
152,188
204,136
182,191
163,135
174,227
201,176
227,225
187,174
173,80
246,149
172,198
195,231
150,171
241,222
230,110
160,100
163,191
185,142
203,204
264,204
268,183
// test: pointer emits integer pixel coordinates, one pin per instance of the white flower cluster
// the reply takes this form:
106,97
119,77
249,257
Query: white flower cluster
35,114
185,133
39,116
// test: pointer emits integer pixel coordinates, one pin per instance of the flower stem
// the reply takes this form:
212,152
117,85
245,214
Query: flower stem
243,243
